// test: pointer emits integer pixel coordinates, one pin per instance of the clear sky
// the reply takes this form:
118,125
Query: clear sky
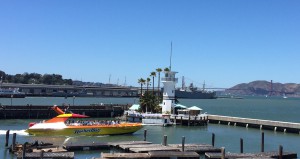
224,42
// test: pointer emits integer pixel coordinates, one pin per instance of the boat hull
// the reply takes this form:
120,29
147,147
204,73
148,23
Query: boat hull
88,130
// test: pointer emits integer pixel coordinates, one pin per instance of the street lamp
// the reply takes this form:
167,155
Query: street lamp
73,100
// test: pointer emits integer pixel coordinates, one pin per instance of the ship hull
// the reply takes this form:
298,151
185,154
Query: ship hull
87,130
195,95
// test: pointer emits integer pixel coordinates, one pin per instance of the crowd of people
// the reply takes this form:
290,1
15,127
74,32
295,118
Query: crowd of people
92,122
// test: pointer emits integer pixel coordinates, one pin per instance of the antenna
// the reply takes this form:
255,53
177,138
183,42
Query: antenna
171,57
109,79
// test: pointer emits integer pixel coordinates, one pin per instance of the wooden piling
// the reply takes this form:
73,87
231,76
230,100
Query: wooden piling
7,138
280,151
24,150
13,142
241,145
42,154
222,152
213,139
262,142
145,135
183,142
165,140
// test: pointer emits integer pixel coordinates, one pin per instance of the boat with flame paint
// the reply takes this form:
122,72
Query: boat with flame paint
69,124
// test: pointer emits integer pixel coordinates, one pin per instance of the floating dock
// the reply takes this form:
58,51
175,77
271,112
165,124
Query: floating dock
256,123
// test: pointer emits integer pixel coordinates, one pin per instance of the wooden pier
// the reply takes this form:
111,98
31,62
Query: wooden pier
44,112
288,127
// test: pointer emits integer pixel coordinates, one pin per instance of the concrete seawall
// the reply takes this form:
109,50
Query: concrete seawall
256,123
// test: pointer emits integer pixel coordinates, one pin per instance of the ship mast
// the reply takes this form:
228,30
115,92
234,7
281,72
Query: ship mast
171,57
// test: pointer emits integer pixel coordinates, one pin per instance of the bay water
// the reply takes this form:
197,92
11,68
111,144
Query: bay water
271,108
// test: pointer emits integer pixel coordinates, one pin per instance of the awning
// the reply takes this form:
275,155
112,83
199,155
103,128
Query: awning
194,108
134,107
180,106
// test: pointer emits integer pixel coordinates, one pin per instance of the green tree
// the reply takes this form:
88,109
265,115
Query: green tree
149,102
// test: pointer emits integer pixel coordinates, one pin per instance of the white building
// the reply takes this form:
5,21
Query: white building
169,82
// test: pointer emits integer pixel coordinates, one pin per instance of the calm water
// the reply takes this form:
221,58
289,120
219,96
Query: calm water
226,136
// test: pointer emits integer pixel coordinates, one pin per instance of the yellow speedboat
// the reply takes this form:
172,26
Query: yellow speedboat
64,124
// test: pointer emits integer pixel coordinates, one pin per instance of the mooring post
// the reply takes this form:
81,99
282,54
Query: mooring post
280,151
13,142
7,138
241,145
24,150
222,152
165,140
145,135
183,141
213,139
42,154
262,141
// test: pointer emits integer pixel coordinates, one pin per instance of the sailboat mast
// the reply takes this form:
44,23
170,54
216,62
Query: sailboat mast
171,57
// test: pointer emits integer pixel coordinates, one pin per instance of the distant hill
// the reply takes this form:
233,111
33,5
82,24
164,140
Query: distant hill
264,88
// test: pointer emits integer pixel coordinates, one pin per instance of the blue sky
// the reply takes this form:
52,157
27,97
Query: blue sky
223,42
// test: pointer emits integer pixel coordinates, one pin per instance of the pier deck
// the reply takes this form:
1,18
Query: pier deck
256,123
285,155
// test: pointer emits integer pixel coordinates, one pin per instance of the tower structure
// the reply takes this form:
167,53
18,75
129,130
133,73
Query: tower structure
169,81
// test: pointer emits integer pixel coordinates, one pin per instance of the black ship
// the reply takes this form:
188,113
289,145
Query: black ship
192,92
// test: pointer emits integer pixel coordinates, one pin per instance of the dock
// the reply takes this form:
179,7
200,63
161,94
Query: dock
45,111
281,126
251,155
189,120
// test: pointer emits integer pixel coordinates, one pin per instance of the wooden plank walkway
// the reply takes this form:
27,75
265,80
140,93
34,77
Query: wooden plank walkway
285,155
155,154
53,155
256,123
100,145
116,144
199,148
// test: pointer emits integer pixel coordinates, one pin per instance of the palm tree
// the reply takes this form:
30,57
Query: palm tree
153,74
148,82
166,69
141,81
158,70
